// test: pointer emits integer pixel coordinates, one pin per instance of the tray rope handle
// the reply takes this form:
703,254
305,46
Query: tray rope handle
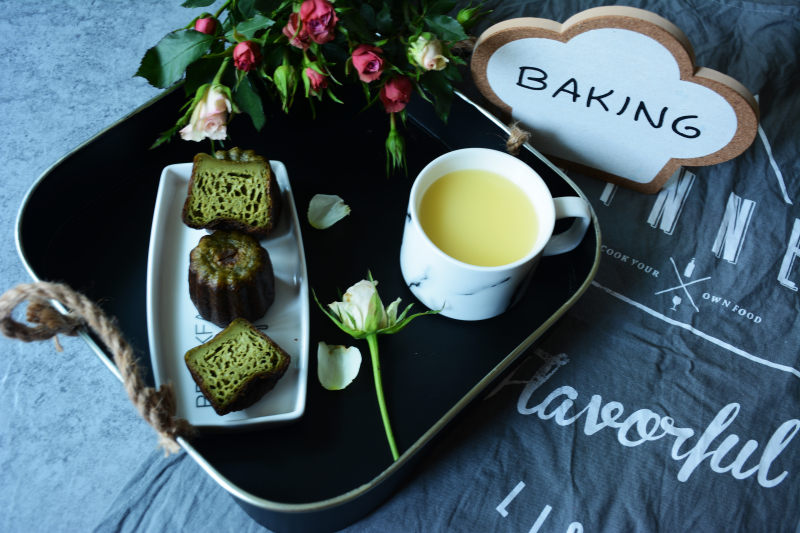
516,138
157,407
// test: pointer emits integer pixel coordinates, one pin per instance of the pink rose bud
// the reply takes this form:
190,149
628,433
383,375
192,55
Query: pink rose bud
207,25
300,38
368,62
319,19
246,55
317,81
210,115
396,93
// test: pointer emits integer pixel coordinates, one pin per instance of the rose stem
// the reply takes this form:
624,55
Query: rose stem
372,340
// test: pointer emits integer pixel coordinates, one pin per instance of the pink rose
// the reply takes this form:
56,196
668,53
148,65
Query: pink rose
319,20
368,62
246,55
207,25
300,39
317,81
210,116
396,93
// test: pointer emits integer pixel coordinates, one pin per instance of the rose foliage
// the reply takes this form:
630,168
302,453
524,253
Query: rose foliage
260,51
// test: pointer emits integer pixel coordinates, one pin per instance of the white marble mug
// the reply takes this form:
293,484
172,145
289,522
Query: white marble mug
468,292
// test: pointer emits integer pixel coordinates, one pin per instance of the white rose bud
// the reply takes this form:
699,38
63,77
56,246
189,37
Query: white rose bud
427,52
210,115
361,308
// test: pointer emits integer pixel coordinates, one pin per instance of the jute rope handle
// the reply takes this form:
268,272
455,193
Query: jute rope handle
157,407
516,138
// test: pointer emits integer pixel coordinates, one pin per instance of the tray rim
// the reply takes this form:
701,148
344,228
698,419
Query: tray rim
96,348
436,428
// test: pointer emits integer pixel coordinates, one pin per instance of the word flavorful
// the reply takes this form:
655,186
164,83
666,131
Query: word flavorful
644,425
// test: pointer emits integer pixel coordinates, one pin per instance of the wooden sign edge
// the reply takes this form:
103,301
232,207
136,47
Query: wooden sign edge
645,22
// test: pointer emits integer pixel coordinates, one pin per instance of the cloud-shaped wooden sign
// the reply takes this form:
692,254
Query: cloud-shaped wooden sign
615,92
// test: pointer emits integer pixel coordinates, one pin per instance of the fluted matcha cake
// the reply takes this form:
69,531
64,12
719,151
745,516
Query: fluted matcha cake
237,366
230,276
232,190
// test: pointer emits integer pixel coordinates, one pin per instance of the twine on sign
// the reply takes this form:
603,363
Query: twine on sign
516,138
157,407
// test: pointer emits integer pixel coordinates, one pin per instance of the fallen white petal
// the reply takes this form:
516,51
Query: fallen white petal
337,366
325,210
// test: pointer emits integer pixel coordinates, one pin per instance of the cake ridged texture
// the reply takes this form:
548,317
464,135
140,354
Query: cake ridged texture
230,276
237,367
233,190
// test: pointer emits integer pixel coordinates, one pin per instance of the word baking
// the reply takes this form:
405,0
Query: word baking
533,78
625,258
644,425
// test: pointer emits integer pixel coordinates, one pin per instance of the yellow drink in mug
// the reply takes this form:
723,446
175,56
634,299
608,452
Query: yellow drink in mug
479,217
478,222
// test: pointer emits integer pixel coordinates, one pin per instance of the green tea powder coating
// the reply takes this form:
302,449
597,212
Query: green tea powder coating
237,367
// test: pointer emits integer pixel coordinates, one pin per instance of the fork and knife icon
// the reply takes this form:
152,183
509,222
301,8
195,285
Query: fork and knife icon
682,285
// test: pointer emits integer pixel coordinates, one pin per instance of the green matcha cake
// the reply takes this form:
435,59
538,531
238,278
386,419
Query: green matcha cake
237,366
232,190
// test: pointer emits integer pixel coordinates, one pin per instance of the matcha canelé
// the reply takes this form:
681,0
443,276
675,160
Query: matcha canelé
237,367
230,276
233,190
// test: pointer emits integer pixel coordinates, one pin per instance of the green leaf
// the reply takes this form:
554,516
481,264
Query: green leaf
372,321
248,28
384,20
441,6
451,72
447,28
353,333
246,7
165,63
357,28
249,101
165,137
268,6
285,79
200,72
440,90
368,14
333,97
197,3
402,323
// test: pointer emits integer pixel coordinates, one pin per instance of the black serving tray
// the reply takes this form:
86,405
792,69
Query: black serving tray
86,222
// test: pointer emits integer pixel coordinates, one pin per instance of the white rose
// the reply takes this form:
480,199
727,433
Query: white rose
210,117
361,308
427,52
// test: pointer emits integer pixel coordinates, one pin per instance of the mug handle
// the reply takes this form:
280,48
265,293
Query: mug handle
569,207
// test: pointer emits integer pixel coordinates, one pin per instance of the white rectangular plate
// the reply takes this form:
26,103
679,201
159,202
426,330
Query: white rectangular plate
174,325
